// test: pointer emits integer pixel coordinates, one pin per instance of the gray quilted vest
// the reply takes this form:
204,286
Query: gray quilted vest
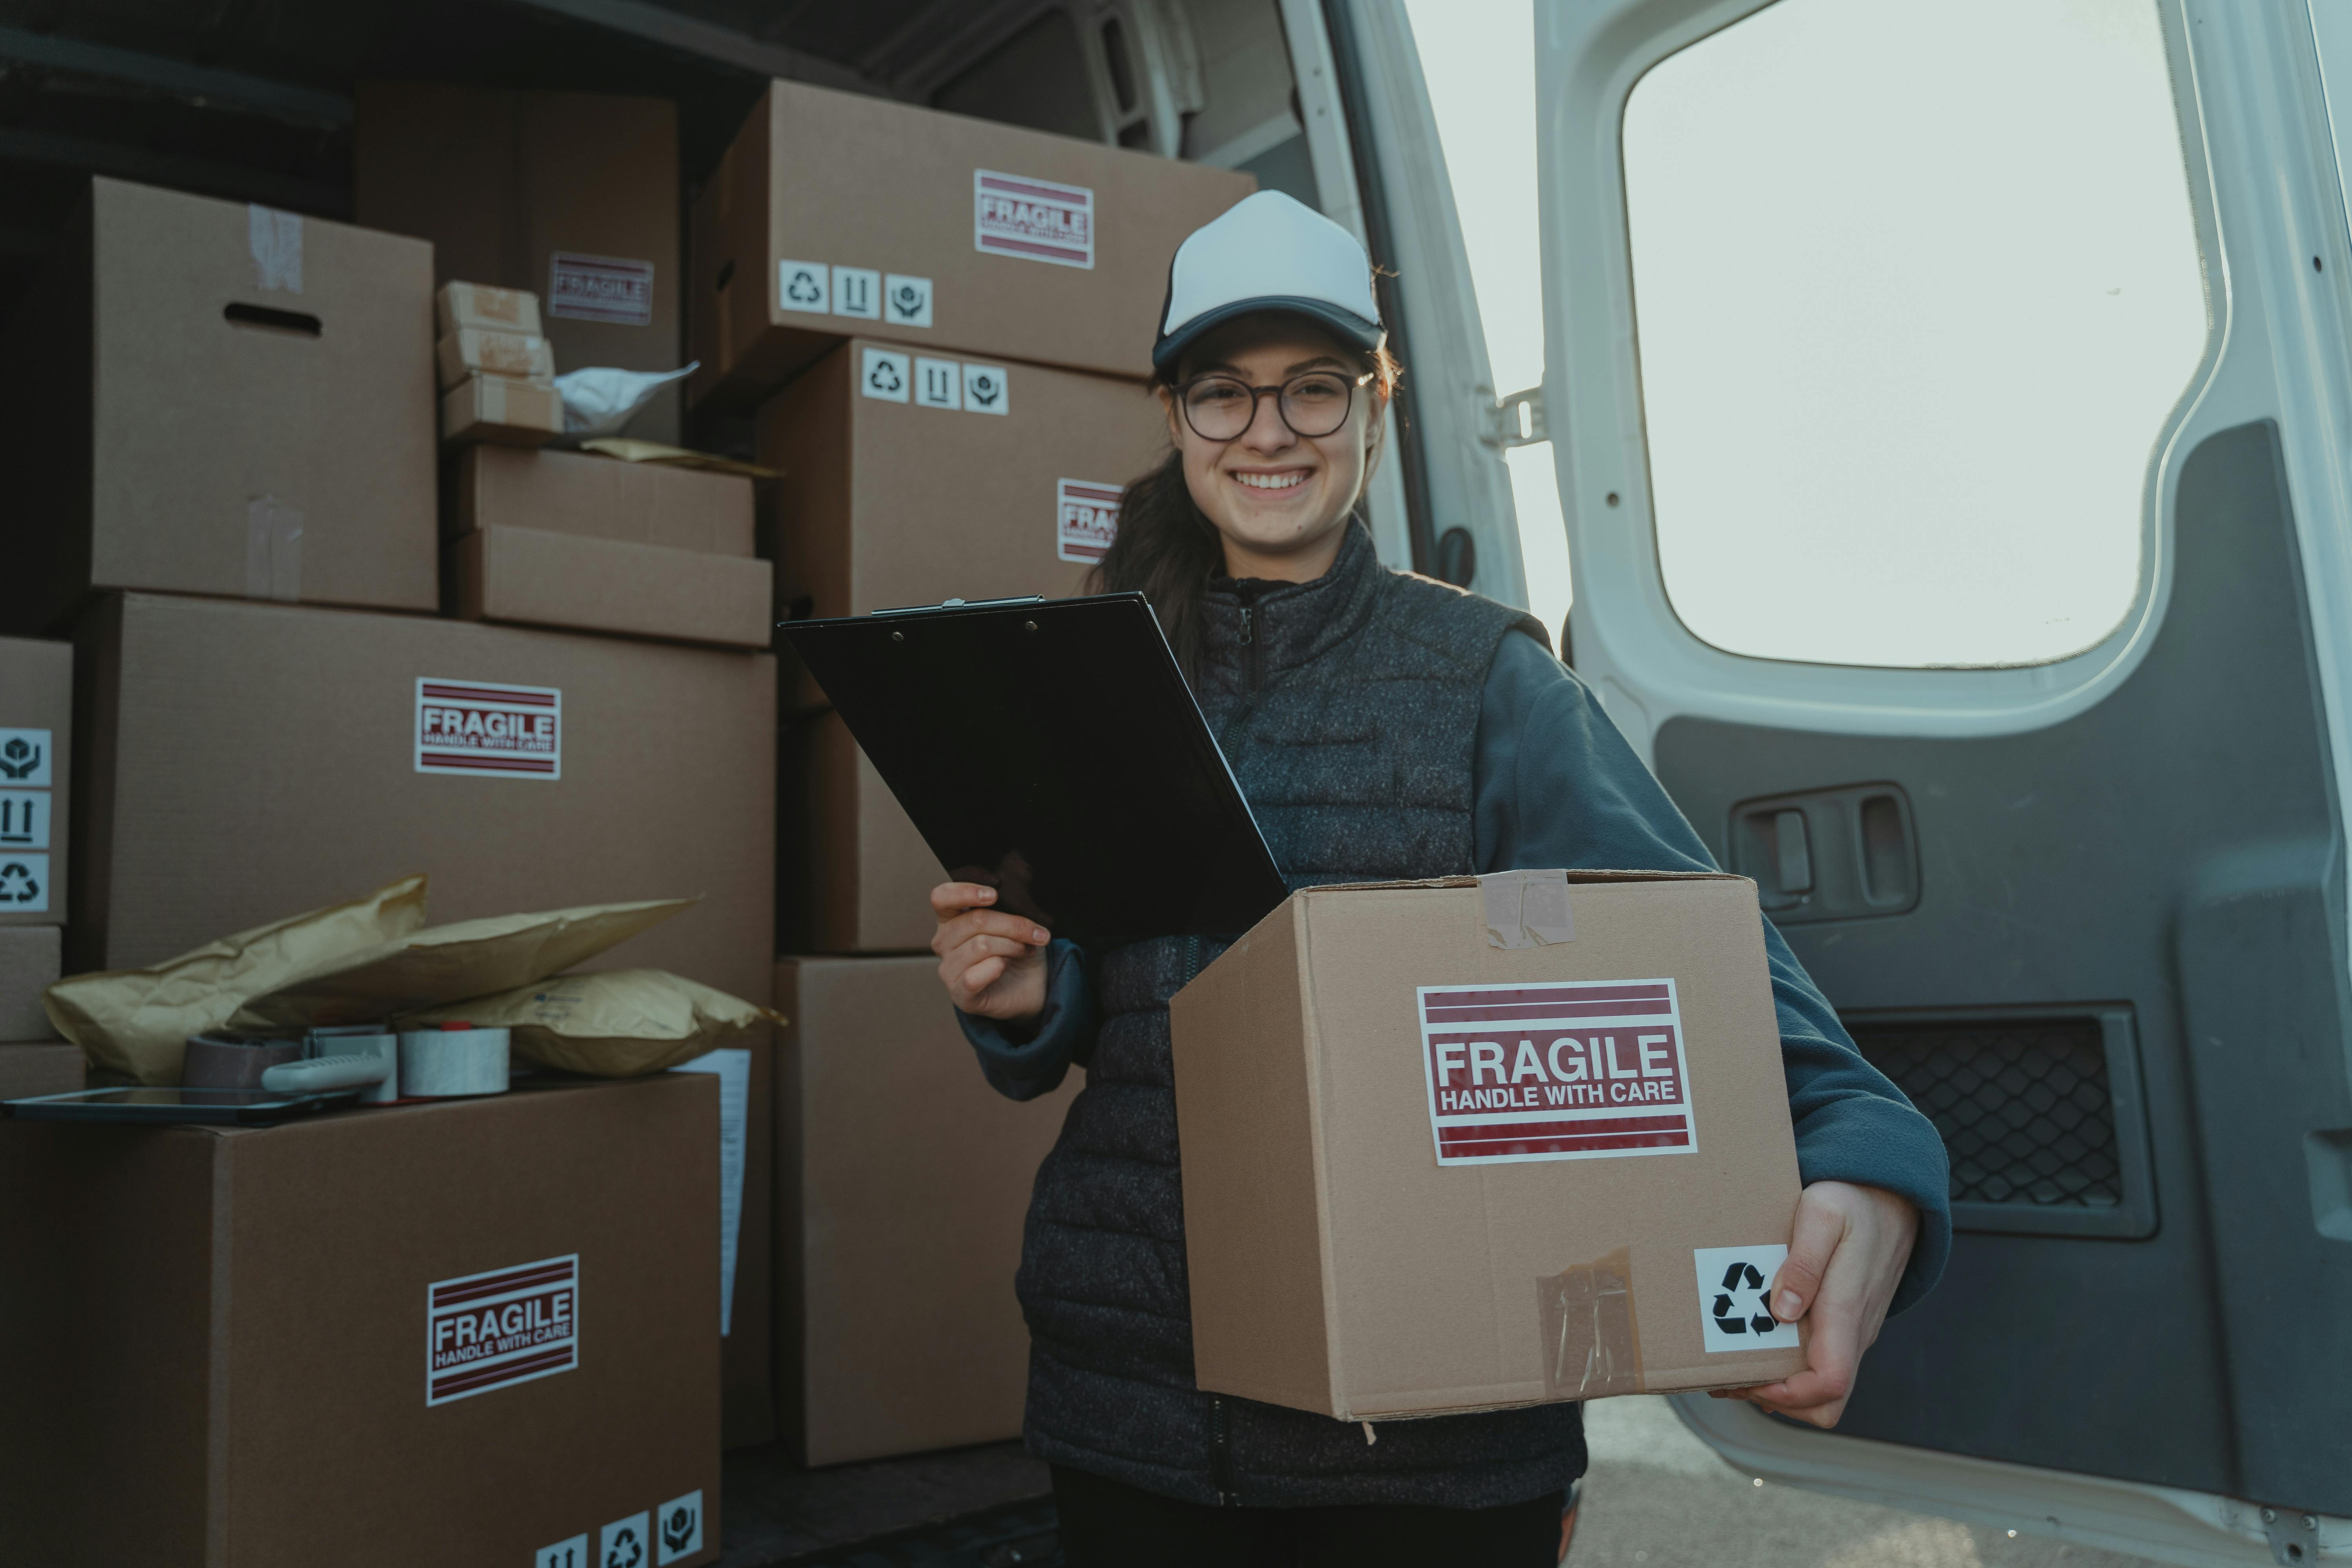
1349,708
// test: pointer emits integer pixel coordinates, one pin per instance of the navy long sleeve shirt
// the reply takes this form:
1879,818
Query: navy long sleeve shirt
1556,786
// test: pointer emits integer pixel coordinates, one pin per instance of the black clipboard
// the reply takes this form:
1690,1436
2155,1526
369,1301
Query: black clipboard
1052,750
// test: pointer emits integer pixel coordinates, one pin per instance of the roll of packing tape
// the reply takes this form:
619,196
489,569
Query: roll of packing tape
452,1060
363,1040
232,1061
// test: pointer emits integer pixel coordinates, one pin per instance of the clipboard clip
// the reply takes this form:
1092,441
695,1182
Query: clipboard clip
963,605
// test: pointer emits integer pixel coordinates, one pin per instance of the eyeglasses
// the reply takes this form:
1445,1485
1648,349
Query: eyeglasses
1220,407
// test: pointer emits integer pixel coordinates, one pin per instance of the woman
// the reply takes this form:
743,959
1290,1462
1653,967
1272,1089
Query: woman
1383,726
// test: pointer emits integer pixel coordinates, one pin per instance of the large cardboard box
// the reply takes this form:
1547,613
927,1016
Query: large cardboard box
1426,1172
888,500
602,498
854,874
29,960
902,1179
570,195
249,762
252,1347
208,397
32,1068
533,577
834,214
35,780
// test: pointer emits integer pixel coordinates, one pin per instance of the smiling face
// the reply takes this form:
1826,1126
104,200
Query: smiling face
1279,500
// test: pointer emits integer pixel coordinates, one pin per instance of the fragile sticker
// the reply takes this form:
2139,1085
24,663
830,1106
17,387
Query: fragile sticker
507,1326
678,1528
939,383
600,288
500,731
857,291
1086,516
1565,1070
887,376
987,389
24,819
24,883
26,757
906,300
804,286
1038,220
1735,1284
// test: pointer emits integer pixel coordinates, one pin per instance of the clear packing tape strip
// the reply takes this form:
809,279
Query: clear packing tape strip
1591,1343
1526,909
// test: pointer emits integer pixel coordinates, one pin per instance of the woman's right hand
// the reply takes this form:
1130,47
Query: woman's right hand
992,964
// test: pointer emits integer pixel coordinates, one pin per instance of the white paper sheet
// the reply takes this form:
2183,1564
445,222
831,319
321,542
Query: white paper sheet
734,1070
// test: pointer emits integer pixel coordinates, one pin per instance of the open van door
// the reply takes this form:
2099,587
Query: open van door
1950,407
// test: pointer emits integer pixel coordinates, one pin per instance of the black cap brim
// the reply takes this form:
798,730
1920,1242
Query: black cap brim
1345,325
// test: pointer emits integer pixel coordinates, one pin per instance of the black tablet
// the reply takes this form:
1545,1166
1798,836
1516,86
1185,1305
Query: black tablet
247,1106
1050,749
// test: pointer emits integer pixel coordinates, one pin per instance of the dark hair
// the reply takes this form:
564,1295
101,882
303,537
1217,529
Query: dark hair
1167,549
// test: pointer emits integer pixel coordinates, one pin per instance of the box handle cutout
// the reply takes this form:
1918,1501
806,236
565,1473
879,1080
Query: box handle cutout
296,322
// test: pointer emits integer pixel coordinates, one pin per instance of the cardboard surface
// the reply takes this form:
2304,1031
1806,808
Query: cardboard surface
254,760
36,782
869,197
457,305
572,196
602,498
39,1067
902,1179
29,961
523,355
211,398
530,577
1338,1265
886,503
500,408
853,875
199,1324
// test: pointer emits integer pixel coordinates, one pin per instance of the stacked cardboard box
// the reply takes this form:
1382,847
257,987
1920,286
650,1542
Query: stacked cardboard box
944,326
497,374
36,792
206,397
574,540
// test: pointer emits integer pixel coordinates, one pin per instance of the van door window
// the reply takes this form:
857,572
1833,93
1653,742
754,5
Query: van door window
1917,287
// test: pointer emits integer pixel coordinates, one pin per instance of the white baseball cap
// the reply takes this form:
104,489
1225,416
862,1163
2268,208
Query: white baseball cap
1268,252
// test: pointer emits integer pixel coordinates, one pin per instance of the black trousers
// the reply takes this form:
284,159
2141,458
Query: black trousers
1110,1525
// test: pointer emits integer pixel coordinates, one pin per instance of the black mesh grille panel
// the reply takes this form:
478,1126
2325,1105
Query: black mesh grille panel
2022,1105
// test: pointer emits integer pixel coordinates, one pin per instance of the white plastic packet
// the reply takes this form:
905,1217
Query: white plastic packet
600,401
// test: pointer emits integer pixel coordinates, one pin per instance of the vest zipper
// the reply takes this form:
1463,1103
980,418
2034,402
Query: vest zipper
1249,641
1220,1455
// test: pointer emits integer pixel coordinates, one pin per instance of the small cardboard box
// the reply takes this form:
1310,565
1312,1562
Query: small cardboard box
648,771
469,350
528,576
207,397
834,214
30,960
896,1329
600,498
1425,1173
35,781
500,408
259,1346
854,874
484,305
40,1067
900,488
570,195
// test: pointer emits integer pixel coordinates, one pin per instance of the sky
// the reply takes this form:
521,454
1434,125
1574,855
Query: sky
1478,58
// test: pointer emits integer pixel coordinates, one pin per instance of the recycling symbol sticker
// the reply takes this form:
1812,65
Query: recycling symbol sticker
24,883
885,375
621,1543
1734,1289
801,286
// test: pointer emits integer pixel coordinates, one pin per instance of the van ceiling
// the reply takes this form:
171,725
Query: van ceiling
250,100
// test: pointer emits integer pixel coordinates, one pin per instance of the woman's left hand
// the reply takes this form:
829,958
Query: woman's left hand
1846,1257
